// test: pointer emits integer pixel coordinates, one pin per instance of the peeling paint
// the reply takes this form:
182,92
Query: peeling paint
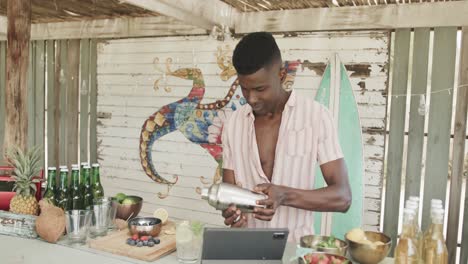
317,67
362,70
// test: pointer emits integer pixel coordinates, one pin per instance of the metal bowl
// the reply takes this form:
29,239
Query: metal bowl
370,254
311,241
145,226
342,258
129,211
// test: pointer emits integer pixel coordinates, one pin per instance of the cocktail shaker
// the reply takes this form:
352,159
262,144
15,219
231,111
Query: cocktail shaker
222,195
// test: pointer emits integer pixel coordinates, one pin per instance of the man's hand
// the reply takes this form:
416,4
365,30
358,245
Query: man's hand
276,196
233,217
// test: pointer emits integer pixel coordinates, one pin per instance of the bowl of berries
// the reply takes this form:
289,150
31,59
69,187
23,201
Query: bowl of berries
145,226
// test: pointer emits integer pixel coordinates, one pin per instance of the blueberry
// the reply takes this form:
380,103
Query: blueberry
156,241
145,243
132,243
128,240
139,244
137,240
151,244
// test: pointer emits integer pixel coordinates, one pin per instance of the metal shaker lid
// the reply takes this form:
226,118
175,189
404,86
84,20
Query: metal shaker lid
205,193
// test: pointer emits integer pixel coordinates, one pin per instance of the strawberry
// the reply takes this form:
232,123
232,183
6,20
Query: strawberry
144,238
135,237
314,259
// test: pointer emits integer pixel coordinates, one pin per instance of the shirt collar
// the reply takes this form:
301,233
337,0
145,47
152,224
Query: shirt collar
290,103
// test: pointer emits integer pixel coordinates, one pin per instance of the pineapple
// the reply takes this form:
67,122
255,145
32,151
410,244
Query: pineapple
27,166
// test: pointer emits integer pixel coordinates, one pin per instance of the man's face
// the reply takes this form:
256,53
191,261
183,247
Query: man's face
262,89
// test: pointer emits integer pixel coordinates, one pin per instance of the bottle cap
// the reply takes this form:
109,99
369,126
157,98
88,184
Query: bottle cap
52,168
414,198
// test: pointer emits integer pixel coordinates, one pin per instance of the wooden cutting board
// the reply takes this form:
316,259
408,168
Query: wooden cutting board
115,243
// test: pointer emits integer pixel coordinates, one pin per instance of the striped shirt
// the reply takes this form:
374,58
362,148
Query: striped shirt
307,136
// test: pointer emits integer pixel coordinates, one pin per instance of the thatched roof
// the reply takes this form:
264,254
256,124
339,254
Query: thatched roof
268,5
44,11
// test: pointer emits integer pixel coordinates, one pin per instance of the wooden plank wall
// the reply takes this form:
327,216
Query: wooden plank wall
58,83
126,97
426,173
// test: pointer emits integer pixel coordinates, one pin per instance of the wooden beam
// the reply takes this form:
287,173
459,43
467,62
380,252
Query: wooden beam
114,28
356,18
18,35
201,13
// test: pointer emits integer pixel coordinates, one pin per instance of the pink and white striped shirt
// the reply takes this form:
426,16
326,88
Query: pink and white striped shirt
307,135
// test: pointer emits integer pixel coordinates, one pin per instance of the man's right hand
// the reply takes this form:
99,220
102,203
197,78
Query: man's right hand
233,217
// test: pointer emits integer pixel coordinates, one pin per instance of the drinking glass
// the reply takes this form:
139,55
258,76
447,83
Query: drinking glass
77,224
189,237
103,215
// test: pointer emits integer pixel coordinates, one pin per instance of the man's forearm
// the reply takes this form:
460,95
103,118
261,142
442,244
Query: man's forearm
328,199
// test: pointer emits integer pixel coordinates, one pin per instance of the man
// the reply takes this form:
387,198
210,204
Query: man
273,143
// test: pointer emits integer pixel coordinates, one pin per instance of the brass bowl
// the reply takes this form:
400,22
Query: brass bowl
311,241
342,258
129,211
145,226
370,254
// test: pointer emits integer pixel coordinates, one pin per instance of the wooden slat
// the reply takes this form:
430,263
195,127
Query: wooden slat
458,156
39,84
62,103
52,155
57,62
464,242
31,108
93,101
397,125
2,97
84,99
73,60
440,113
416,120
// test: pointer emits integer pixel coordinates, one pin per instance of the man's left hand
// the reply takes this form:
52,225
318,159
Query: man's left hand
276,196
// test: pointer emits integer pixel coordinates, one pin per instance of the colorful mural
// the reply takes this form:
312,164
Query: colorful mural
200,123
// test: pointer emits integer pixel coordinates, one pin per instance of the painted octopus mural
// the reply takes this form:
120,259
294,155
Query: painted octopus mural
200,123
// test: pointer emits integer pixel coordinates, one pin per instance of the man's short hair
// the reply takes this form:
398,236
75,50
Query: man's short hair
255,51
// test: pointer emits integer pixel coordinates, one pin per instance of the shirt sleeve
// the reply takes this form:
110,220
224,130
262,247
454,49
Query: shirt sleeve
329,148
227,151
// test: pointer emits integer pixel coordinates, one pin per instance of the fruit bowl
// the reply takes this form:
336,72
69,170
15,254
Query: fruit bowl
317,243
370,253
321,257
145,226
129,207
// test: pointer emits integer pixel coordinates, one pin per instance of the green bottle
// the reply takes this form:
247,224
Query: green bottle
98,191
64,196
51,191
76,193
86,186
